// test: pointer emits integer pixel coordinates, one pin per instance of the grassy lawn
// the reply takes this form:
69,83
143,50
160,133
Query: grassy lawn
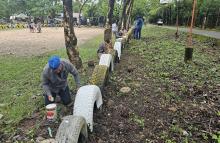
20,79
165,57
191,89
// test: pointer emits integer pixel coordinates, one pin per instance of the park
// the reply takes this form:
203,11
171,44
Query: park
140,71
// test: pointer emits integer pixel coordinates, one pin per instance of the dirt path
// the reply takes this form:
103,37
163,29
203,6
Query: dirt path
24,43
212,34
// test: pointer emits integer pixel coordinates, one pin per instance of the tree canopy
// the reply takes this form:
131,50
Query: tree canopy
207,11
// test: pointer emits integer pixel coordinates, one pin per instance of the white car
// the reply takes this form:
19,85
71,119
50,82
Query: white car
160,22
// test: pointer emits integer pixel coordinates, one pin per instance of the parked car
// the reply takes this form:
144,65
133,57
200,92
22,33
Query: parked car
160,22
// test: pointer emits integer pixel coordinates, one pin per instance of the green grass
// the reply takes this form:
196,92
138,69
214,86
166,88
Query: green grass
164,58
164,66
20,81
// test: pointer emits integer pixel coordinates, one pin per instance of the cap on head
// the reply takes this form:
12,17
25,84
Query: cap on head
54,62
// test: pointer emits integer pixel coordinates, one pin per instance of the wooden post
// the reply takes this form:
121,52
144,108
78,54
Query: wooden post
177,21
189,48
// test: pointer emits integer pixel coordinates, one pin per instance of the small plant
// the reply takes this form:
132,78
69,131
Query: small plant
169,141
138,120
218,113
216,137
176,129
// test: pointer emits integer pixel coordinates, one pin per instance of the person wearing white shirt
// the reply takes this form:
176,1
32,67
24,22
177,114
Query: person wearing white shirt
114,28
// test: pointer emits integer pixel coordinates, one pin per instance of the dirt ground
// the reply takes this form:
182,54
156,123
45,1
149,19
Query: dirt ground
24,43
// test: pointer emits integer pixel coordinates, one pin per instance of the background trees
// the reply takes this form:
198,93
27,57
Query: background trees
207,11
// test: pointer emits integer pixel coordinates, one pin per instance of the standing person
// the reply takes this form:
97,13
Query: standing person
139,26
115,29
88,22
39,26
135,28
30,27
54,80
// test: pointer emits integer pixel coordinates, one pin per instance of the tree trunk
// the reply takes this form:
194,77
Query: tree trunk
129,10
69,34
217,20
80,11
189,48
204,20
110,13
123,15
108,30
177,20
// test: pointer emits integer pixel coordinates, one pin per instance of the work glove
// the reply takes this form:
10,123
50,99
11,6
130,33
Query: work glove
50,98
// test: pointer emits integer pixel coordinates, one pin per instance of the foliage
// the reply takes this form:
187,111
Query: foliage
168,12
30,7
137,119
216,137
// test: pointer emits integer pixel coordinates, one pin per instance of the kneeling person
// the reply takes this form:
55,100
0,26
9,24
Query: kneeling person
54,80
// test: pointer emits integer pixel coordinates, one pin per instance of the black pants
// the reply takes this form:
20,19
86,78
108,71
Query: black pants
64,95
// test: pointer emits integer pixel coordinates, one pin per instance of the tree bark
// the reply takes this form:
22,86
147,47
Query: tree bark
108,30
217,20
69,34
177,20
129,10
204,20
110,13
189,48
80,11
123,15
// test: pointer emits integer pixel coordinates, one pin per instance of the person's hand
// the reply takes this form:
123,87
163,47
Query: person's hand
50,98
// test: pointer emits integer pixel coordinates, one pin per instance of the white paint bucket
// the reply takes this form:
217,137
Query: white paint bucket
51,111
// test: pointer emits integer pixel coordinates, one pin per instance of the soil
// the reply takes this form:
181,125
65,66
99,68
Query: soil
24,43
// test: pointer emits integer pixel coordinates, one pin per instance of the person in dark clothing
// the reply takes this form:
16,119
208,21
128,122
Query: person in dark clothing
138,27
54,80
101,50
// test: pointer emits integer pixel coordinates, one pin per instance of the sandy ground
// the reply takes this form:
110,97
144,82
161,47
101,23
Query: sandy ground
24,43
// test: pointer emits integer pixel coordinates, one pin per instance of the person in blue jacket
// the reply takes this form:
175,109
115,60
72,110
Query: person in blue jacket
138,27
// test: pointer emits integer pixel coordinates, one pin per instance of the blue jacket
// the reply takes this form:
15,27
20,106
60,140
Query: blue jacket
139,23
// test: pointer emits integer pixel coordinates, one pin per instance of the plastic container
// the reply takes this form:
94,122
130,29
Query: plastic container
51,112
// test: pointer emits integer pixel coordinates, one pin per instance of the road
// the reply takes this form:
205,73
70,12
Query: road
212,34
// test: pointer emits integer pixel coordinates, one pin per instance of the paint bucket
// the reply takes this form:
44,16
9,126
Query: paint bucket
51,112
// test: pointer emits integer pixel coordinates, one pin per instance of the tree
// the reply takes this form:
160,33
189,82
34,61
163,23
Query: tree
128,13
110,13
108,30
69,34
82,3
123,18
